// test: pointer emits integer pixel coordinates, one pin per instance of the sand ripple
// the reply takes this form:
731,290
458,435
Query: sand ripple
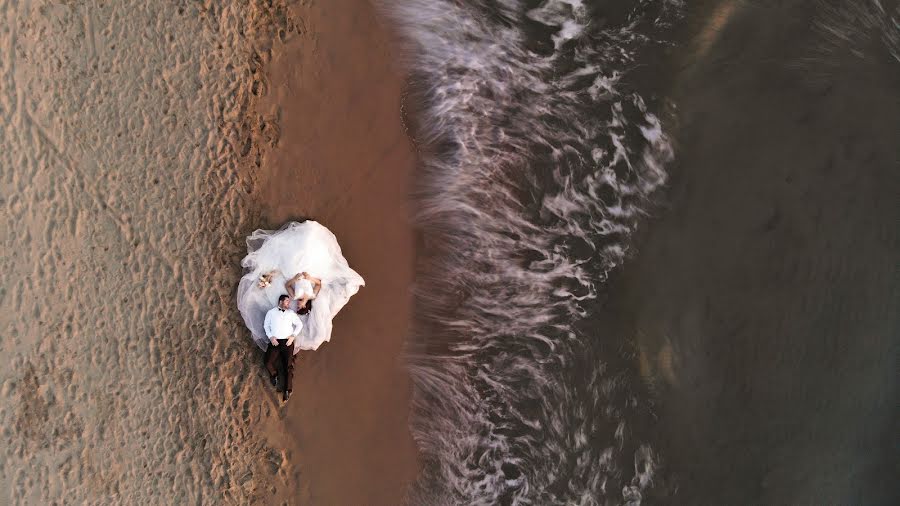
127,150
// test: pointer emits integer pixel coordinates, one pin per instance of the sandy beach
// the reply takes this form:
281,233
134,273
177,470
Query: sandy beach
344,160
138,140
653,256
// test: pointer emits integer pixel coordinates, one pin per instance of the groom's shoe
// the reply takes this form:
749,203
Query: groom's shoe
287,395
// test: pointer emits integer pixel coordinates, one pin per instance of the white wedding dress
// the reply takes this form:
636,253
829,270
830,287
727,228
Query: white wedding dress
296,247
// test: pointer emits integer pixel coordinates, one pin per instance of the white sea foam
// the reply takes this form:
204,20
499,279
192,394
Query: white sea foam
537,168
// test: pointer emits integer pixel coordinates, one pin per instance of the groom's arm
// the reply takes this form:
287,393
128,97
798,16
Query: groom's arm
267,327
267,324
298,326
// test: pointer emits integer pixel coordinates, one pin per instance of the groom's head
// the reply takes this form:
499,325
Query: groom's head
284,301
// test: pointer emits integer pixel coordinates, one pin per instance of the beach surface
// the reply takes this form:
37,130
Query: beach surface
344,160
133,149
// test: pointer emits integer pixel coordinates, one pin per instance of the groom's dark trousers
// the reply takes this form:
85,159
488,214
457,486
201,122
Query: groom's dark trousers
286,354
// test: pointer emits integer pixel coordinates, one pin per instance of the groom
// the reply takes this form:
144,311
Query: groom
282,327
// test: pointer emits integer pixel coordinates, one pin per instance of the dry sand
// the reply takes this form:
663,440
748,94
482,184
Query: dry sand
130,155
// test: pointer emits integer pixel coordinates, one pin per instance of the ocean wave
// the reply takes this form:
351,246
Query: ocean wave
539,157
861,38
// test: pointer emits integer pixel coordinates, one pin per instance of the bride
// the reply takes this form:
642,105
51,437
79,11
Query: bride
310,253
303,288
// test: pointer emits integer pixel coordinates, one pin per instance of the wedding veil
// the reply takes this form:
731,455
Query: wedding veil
296,247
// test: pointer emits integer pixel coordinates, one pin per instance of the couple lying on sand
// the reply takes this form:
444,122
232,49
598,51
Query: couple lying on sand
302,287
283,324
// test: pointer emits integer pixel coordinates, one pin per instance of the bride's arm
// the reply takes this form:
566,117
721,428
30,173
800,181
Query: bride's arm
289,285
317,284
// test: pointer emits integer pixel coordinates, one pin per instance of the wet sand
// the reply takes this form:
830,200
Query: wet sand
344,160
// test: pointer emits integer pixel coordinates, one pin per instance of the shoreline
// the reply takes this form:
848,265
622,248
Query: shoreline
341,157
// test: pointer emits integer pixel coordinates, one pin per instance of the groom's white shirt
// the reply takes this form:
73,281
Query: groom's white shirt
282,323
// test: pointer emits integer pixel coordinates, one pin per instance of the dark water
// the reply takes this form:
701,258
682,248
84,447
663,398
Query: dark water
771,274
659,247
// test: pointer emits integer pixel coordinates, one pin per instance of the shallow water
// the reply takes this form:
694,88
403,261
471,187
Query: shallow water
656,251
